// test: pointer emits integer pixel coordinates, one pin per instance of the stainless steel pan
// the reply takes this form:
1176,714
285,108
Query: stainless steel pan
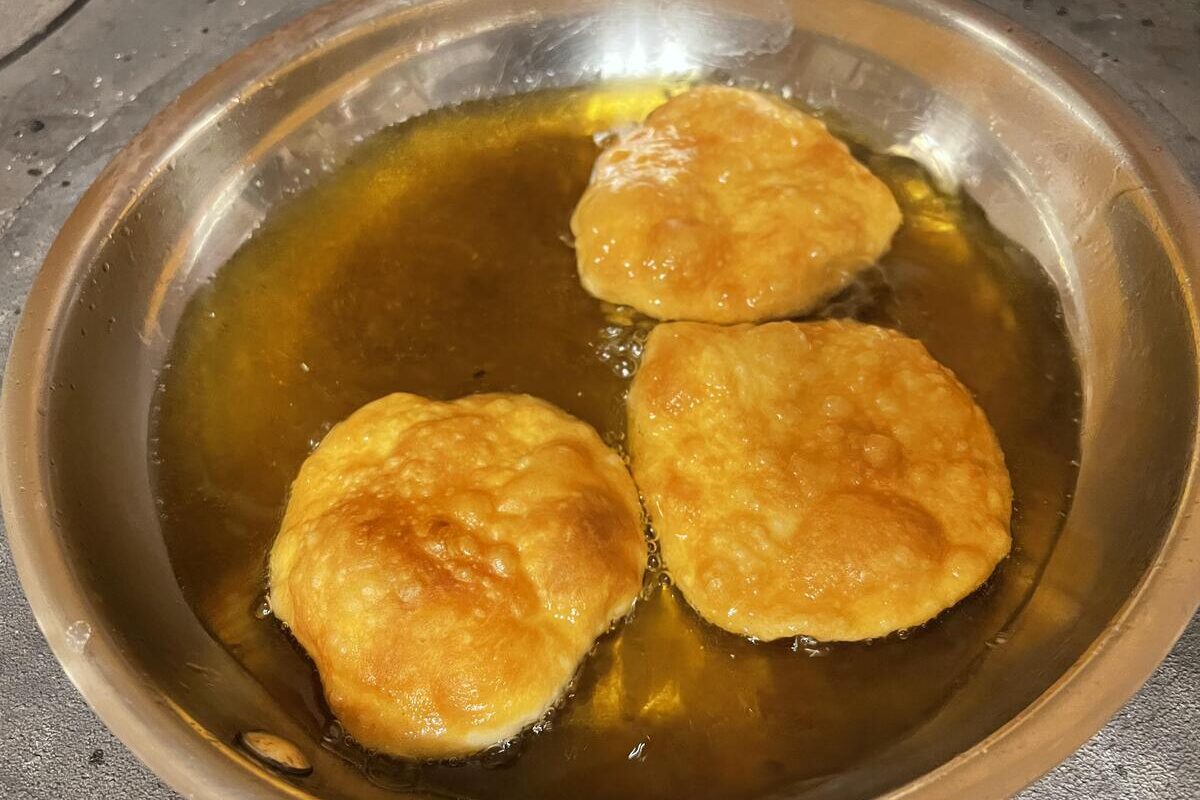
1049,152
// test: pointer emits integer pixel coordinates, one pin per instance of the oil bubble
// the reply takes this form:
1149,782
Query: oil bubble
262,607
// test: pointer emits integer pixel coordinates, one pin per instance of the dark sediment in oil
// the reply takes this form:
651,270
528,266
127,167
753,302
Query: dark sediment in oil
438,261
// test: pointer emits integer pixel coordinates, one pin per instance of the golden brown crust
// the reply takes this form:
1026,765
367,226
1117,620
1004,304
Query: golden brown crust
728,206
823,479
448,565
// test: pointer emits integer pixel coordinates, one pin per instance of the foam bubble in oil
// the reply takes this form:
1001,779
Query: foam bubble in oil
621,342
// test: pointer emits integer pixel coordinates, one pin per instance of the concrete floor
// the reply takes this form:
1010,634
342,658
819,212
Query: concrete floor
26,23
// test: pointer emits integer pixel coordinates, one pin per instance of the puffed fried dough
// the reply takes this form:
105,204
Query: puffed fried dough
824,479
728,206
448,565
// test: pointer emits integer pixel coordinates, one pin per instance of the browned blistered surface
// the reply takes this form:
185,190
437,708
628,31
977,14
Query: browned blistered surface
824,479
448,565
728,206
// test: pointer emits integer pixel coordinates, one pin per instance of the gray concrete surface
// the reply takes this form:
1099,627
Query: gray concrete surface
74,93
25,23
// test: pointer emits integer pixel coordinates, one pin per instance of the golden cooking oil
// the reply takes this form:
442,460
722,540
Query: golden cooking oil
438,261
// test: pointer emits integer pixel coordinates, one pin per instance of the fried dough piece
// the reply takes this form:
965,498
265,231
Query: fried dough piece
448,565
822,479
728,206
